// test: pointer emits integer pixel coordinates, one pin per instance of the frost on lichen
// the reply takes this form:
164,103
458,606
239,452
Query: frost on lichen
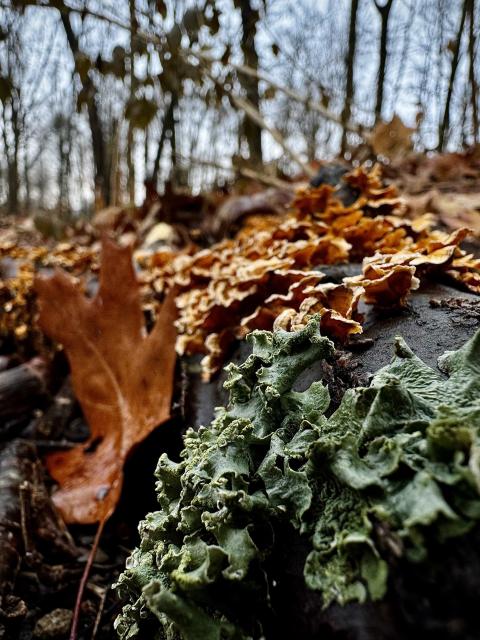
397,465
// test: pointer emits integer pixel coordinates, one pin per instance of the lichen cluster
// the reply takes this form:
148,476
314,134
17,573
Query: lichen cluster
395,466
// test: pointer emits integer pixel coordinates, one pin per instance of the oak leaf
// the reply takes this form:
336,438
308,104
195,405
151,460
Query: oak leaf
122,377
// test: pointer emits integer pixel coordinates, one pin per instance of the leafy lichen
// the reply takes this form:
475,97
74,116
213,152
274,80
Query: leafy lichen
396,465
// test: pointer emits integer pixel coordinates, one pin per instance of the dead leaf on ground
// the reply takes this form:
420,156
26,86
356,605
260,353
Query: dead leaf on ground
392,139
453,210
122,377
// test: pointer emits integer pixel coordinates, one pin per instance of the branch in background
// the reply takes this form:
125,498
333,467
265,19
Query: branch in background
245,172
255,116
271,181
260,75
253,113
240,68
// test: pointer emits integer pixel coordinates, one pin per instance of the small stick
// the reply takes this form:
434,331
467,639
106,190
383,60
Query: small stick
98,618
83,581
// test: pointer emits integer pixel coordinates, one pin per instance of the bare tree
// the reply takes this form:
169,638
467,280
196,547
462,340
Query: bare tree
99,144
350,68
167,124
12,104
133,86
384,11
445,122
63,129
471,70
251,129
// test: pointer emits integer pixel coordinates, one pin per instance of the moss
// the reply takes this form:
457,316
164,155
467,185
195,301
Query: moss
396,466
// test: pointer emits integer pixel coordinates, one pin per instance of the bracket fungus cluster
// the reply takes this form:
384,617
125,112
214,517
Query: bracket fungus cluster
272,269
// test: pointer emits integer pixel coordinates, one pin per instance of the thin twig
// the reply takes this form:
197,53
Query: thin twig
271,181
83,581
98,618
254,114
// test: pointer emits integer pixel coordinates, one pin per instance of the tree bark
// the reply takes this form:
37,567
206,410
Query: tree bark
171,127
445,124
130,133
99,145
13,173
350,62
471,71
167,118
11,154
384,11
64,133
252,131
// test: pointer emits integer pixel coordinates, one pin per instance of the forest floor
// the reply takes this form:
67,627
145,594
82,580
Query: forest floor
55,444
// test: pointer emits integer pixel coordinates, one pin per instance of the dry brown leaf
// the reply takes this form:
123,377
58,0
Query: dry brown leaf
457,210
122,377
392,139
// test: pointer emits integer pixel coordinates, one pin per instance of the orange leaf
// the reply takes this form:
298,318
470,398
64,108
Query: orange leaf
122,377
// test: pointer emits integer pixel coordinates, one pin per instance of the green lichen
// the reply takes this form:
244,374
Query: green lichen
397,465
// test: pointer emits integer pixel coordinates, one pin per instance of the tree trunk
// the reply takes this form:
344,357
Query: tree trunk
115,172
167,118
99,146
471,71
13,173
252,131
26,181
384,11
445,124
350,62
405,54
64,153
11,155
130,133
171,127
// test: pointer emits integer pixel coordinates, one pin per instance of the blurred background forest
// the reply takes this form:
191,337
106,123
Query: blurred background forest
102,101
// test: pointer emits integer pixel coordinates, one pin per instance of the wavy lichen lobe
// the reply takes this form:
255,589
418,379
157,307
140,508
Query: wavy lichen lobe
396,466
